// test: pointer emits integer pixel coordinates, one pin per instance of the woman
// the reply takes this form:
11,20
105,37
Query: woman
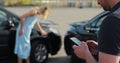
27,21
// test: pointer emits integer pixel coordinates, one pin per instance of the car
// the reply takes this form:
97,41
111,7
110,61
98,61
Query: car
85,30
41,46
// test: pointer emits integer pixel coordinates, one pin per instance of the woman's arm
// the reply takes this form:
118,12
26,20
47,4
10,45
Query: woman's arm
41,29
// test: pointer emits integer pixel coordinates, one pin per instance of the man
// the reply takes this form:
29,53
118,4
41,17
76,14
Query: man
108,37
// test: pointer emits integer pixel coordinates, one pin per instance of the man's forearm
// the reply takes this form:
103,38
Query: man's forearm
89,58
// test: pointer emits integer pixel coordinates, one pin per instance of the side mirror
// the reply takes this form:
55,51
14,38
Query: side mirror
87,26
8,24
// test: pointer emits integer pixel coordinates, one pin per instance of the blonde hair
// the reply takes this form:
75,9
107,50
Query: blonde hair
45,11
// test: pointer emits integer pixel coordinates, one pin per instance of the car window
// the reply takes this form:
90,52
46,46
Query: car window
99,22
3,17
93,23
15,20
96,23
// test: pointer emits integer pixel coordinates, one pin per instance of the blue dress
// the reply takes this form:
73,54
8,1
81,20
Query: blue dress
22,45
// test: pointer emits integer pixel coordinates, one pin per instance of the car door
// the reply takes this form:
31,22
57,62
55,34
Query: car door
99,22
4,32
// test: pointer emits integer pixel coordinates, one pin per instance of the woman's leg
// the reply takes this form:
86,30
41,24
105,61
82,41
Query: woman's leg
27,60
19,60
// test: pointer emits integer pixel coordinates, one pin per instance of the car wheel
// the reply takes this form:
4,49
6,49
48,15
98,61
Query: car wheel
39,52
68,45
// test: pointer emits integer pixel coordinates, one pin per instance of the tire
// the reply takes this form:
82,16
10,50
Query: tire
39,52
68,45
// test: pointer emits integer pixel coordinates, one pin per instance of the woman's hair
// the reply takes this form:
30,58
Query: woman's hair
44,11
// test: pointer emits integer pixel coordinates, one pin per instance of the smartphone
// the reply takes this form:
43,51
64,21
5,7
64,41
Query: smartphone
75,40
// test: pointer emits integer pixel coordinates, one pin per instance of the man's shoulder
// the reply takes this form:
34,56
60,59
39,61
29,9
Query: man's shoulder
116,13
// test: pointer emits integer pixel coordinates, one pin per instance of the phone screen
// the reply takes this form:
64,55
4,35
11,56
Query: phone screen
75,40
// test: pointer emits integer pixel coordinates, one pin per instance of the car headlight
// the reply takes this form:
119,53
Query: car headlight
72,30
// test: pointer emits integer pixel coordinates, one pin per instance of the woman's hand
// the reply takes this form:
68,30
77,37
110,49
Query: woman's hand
21,31
43,32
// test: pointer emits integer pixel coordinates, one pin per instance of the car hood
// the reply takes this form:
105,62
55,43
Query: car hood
78,27
75,24
47,22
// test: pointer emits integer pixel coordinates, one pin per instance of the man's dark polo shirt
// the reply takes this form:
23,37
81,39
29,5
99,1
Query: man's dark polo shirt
109,34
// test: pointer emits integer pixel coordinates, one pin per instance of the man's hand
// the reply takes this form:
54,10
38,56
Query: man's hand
93,47
81,50
90,46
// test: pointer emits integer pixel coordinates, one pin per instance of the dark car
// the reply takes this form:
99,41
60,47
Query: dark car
86,30
41,46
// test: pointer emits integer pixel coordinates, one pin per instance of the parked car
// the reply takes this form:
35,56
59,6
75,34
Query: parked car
41,46
86,30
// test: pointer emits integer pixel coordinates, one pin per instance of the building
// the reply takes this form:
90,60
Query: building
54,3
